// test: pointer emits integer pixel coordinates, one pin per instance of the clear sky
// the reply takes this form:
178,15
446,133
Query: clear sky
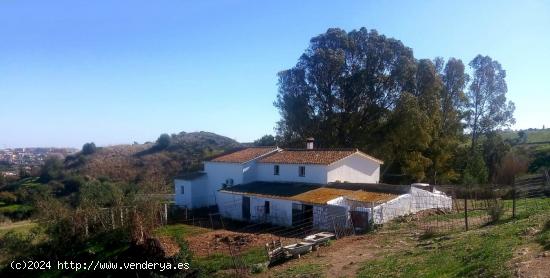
121,71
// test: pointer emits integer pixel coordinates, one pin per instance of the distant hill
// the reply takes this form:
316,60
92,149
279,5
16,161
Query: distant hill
534,136
143,163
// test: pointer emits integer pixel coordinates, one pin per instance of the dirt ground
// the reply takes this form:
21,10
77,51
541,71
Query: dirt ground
532,262
343,257
217,242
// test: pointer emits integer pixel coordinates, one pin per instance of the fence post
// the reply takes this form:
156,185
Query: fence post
165,214
466,210
514,199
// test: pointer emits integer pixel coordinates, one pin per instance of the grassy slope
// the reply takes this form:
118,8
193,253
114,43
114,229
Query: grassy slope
142,163
533,135
480,253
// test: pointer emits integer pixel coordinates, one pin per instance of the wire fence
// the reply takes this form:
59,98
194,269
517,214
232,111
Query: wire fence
464,207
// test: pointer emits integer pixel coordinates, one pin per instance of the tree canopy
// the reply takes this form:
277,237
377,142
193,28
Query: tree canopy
89,148
363,89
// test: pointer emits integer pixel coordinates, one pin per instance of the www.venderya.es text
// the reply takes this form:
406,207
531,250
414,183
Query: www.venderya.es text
96,265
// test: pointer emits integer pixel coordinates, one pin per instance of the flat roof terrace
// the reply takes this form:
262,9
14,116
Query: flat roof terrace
309,193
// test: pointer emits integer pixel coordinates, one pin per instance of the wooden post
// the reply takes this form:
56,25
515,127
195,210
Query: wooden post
334,225
86,225
121,218
514,200
112,219
466,210
165,214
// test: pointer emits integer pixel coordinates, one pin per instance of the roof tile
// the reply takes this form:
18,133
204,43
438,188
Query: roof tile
305,156
243,155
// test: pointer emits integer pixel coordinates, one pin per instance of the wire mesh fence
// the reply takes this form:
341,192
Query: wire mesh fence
464,207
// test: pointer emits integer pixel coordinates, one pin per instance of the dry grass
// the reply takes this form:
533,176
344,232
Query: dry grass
323,195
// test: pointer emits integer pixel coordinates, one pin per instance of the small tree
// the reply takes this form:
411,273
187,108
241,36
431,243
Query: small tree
89,148
522,137
163,141
475,171
52,169
511,166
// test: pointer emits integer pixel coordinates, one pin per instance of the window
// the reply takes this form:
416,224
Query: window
182,189
266,207
302,171
276,170
229,182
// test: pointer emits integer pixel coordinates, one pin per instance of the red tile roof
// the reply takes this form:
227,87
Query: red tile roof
314,156
244,155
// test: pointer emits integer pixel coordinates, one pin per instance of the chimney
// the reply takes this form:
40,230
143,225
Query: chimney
309,143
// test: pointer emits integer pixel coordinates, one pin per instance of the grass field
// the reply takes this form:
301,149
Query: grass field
483,252
533,136
180,231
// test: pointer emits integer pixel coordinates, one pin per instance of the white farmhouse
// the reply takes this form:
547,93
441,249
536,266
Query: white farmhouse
291,186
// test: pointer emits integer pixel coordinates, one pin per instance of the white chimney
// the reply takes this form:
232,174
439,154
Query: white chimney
309,143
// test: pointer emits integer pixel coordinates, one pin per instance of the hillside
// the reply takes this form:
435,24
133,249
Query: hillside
535,144
143,163
534,136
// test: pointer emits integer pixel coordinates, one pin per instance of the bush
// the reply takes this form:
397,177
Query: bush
7,197
258,268
428,233
16,242
89,148
163,141
495,210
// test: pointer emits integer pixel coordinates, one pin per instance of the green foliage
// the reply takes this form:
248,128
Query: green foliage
7,197
475,172
322,95
541,161
100,194
215,262
362,89
473,254
180,231
302,270
89,148
544,236
494,150
495,210
3,181
266,140
52,169
488,108
16,242
163,141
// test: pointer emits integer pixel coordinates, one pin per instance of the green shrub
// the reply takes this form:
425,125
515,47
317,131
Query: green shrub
495,210
258,268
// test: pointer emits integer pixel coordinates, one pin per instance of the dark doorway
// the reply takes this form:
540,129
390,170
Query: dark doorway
302,216
246,208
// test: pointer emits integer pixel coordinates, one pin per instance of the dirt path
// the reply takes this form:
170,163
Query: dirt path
344,256
16,225
531,261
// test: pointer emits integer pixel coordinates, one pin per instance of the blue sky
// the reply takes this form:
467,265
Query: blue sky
121,71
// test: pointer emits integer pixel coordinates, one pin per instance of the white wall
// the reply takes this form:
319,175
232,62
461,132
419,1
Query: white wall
219,172
354,168
416,200
289,173
195,192
182,200
230,205
249,171
280,212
